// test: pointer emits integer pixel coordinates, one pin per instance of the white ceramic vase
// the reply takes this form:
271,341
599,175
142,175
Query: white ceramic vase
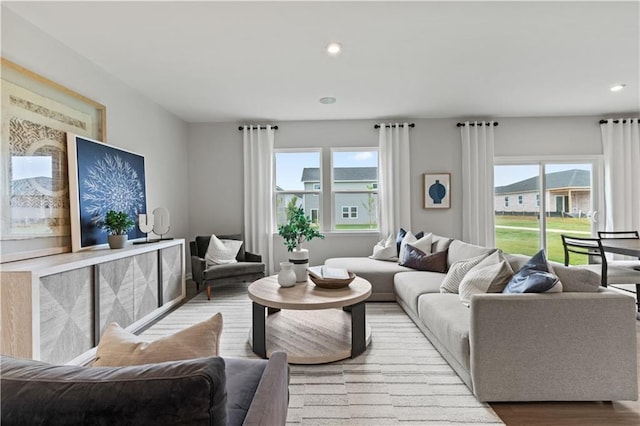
300,259
286,276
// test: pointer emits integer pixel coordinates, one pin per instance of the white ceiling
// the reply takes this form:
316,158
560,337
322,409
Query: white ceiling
227,61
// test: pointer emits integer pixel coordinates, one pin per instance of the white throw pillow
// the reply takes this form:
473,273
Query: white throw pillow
423,244
220,251
385,249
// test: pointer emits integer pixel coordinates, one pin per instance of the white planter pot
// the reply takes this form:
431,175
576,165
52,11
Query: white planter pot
300,260
117,241
286,276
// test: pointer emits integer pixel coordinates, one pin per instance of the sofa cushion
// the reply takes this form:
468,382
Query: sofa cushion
202,244
415,258
448,320
459,250
533,277
233,270
423,243
379,273
440,243
400,237
179,392
456,273
574,278
385,250
410,285
119,347
489,276
243,377
222,252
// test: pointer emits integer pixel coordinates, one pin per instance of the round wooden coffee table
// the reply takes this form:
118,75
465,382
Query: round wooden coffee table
312,325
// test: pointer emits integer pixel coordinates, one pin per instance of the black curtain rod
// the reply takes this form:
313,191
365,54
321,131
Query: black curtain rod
260,127
495,123
616,121
377,126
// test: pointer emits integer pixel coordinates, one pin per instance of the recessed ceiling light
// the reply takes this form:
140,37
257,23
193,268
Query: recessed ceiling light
334,49
328,100
618,87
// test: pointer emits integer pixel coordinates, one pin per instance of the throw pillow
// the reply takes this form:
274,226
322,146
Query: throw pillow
401,235
457,271
118,347
488,276
385,249
423,243
222,251
417,259
533,277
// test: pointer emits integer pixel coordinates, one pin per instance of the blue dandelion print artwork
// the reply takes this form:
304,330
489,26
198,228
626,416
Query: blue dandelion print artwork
108,179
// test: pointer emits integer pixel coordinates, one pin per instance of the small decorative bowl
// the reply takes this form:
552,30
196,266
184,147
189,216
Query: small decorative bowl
333,283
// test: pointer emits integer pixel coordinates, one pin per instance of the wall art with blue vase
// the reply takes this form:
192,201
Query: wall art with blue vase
101,178
437,190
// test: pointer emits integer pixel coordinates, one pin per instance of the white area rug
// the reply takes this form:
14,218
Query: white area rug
399,379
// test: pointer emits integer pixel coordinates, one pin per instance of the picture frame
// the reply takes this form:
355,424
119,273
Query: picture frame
103,177
34,190
436,190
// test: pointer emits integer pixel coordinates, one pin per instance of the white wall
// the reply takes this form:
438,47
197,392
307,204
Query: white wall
215,151
133,121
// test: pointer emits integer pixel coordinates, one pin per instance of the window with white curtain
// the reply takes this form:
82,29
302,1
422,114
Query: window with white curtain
298,183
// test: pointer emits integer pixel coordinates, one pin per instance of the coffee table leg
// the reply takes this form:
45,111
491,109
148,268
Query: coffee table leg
259,331
358,329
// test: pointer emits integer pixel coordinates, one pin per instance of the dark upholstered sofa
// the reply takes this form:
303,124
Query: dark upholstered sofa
203,391
248,268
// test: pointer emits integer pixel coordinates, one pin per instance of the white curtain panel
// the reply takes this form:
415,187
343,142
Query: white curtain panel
477,183
394,191
258,177
621,146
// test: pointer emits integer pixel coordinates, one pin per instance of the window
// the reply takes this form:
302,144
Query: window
565,196
349,212
506,201
347,198
354,187
520,201
297,177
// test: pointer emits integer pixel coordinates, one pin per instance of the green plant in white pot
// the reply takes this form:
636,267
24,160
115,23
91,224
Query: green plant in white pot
298,230
117,224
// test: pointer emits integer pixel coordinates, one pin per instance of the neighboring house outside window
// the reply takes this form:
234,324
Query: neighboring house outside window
290,191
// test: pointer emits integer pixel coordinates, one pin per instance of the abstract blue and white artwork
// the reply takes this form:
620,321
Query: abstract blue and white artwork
102,178
437,189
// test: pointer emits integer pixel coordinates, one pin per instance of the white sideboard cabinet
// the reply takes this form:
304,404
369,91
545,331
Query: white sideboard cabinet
56,308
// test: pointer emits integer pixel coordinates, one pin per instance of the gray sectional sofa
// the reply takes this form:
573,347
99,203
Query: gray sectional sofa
577,345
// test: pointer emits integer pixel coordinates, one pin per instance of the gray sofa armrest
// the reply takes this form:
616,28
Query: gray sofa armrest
252,257
198,266
271,400
553,347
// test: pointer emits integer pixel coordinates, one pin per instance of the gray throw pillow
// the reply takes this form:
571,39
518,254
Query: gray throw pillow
533,277
417,259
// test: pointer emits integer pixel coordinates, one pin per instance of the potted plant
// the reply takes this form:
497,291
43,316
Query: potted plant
117,224
298,230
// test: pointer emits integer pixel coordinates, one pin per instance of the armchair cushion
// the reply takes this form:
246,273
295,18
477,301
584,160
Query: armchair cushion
232,270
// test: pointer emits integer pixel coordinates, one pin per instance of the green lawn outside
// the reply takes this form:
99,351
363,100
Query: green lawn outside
356,227
526,242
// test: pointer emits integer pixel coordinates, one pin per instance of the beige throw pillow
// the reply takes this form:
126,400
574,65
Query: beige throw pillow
456,273
489,277
386,249
119,347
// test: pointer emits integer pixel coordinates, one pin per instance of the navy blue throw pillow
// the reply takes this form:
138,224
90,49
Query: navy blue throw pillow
533,277
402,233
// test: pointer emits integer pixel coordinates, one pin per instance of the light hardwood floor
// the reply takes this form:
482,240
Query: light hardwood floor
557,413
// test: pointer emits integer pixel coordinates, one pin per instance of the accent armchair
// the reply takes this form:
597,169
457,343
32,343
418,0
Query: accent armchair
248,268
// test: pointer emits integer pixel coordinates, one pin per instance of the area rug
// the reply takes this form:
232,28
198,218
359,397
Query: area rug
399,379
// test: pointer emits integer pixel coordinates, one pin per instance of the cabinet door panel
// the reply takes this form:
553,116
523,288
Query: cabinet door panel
145,284
172,272
116,292
66,315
